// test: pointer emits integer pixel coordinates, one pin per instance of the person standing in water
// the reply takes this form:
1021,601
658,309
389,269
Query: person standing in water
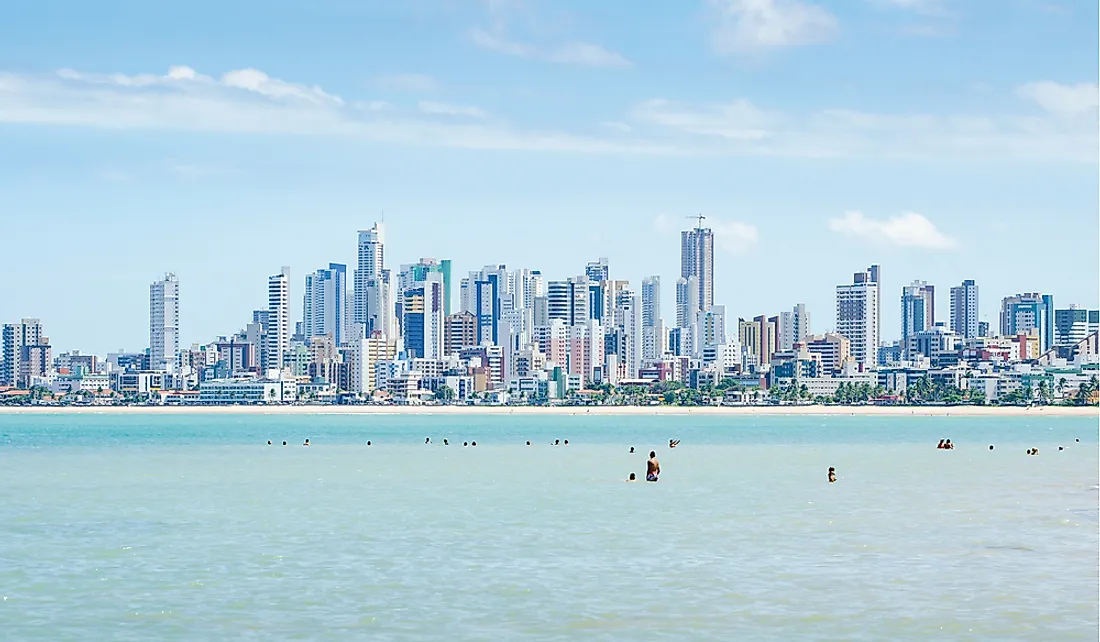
652,467
832,474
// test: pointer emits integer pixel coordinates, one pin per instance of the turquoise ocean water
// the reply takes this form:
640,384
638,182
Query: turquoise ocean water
189,527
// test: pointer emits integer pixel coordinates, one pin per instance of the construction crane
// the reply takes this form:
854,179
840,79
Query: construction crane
700,218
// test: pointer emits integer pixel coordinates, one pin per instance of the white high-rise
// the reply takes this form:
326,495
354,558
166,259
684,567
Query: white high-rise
857,315
164,319
278,320
653,328
697,260
687,300
372,296
964,309
325,303
918,311
794,327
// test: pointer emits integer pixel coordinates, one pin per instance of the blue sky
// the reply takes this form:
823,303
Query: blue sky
943,139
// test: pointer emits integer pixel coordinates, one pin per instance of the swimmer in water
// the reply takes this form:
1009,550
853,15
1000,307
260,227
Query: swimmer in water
652,467
632,450
832,474
465,444
268,442
368,443
940,447
445,443
473,443
991,446
557,442
672,443
427,440
632,478
566,442
307,443
528,443
948,445
284,443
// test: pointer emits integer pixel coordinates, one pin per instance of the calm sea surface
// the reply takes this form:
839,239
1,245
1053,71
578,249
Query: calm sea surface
189,527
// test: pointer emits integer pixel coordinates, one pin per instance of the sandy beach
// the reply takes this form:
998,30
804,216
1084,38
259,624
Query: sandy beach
884,411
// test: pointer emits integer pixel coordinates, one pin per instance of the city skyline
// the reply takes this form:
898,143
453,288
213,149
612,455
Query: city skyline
917,135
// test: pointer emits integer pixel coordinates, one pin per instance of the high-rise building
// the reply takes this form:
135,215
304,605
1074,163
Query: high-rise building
372,302
278,320
325,304
857,315
918,311
794,327
628,326
459,332
164,320
1022,313
759,339
697,259
964,309
568,300
1072,325
17,338
833,349
411,274
653,330
687,300
423,318
983,328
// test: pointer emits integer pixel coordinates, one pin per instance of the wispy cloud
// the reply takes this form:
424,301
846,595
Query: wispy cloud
446,109
1063,100
251,102
412,83
904,230
747,26
584,54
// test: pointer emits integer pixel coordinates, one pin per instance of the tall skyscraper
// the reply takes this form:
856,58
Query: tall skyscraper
372,303
794,327
325,304
918,311
19,339
857,315
1022,313
964,309
278,320
653,328
1073,324
164,319
697,260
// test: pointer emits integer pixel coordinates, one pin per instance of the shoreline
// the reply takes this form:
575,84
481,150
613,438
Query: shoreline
731,411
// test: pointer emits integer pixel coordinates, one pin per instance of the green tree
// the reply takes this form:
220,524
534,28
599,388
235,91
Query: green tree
445,394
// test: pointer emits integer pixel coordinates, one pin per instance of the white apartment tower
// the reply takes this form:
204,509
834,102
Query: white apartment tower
372,297
278,320
687,300
325,304
964,309
794,327
653,328
857,315
164,320
697,260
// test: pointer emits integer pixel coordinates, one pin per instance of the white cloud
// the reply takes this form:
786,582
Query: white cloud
250,102
908,229
414,83
734,237
584,54
1063,100
743,26
446,109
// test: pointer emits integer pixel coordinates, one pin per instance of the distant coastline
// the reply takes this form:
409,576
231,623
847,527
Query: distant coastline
732,411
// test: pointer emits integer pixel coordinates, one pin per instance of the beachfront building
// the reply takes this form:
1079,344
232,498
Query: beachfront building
248,391
423,327
164,319
833,349
759,339
857,315
964,309
19,343
1022,313
277,326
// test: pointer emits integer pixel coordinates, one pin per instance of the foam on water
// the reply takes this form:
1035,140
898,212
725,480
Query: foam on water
188,527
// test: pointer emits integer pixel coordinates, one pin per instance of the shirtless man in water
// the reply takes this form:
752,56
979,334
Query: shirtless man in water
652,467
